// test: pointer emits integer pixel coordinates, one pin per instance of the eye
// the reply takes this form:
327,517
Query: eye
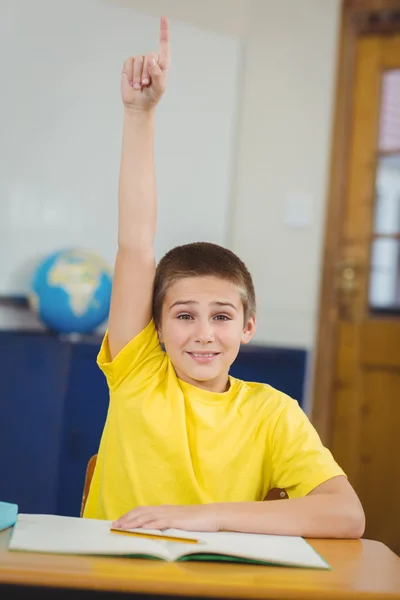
185,317
222,318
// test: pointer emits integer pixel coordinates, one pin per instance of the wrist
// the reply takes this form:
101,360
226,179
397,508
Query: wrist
139,114
222,514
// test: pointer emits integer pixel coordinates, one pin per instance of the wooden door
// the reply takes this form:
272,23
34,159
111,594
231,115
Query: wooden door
364,416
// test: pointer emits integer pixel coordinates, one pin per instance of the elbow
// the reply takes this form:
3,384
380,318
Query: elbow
355,523
360,524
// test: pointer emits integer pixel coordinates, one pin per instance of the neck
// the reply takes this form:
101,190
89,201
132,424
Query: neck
220,384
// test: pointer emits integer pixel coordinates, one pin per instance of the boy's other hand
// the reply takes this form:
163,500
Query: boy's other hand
195,517
144,78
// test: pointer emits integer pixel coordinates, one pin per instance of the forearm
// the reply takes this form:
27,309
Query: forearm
137,186
319,516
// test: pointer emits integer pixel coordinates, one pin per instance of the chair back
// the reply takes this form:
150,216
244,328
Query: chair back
88,480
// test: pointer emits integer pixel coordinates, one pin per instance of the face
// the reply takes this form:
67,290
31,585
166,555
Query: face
202,327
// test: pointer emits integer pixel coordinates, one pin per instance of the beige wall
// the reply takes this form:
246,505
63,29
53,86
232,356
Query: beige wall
283,146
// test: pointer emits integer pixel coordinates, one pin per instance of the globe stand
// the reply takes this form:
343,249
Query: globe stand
71,337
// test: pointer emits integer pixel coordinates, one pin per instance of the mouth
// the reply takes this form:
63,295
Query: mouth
203,357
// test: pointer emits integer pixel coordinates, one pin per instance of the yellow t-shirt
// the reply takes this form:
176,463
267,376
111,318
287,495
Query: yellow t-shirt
168,442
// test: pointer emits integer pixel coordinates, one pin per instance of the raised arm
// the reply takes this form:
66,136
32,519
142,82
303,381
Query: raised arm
143,82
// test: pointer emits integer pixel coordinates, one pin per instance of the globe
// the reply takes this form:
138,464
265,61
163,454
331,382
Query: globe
71,290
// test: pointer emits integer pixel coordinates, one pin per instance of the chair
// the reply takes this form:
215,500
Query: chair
273,494
88,480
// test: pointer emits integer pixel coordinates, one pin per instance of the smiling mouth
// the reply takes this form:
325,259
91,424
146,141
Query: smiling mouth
203,357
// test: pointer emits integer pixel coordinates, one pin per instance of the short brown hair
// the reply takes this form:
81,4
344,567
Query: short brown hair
200,259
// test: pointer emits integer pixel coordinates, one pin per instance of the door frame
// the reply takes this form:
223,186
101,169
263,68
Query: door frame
358,17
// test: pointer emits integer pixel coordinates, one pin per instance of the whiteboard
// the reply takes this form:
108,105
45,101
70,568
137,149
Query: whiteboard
61,127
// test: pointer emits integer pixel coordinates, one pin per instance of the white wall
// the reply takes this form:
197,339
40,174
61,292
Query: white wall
60,151
282,147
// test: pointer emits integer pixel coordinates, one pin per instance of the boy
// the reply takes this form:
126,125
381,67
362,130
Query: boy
185,445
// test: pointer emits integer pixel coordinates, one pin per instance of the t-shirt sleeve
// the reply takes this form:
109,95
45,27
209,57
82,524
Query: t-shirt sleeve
137,361
300,460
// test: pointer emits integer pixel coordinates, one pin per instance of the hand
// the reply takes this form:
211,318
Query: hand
143,79
193,517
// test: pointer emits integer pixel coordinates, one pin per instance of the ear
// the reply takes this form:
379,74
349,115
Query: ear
160,335
249,330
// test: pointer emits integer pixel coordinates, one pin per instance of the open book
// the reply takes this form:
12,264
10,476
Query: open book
71,535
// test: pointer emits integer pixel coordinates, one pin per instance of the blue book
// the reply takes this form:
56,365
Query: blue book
8,515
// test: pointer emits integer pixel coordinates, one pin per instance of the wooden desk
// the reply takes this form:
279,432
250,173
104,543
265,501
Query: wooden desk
360,570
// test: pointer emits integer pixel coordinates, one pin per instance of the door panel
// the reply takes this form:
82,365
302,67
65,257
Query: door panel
379,481
366,412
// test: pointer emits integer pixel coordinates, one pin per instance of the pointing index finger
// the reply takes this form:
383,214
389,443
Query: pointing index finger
164,52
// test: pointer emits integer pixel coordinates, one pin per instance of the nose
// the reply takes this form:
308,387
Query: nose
204,333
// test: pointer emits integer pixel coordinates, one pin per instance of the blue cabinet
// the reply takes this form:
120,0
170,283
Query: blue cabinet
34,375
283,368
53,405
86,403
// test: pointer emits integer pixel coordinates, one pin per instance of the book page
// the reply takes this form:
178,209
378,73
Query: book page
271,549
73,535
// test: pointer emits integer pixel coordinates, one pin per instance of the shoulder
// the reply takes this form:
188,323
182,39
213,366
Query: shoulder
264,398
137,361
